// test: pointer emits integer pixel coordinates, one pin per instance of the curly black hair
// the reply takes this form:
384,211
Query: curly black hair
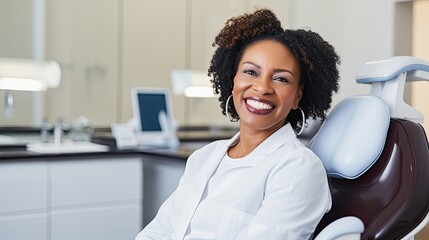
317,60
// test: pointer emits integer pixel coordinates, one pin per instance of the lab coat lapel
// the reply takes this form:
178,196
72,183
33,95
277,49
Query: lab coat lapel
276,140
200,183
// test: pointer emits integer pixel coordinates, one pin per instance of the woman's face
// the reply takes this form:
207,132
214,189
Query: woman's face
266,86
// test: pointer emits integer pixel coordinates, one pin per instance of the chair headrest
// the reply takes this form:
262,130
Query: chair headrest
353,136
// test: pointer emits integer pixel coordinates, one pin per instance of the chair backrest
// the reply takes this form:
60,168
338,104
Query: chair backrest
378,171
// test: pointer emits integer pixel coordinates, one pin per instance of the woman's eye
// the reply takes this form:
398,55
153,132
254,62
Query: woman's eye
281,79
250,72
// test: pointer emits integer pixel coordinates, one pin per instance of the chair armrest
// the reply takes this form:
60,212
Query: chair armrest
387,78
344,228
388,69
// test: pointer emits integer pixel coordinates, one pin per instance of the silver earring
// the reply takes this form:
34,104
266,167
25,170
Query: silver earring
303,122
231,119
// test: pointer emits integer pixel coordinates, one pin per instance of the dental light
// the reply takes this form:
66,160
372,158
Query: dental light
191,83
28,74
18,74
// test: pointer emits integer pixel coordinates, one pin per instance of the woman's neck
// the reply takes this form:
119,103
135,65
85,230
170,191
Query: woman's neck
249,139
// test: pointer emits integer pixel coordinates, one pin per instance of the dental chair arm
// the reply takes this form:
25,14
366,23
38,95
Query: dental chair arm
388,78
346,228
388,69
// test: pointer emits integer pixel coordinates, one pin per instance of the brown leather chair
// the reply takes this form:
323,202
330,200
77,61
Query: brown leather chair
392,197
387,189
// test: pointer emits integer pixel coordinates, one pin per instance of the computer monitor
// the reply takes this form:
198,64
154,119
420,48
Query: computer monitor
154,117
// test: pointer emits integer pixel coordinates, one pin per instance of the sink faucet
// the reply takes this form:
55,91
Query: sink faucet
44,129
58,130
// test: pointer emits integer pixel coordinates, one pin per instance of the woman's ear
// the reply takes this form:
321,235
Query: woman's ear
298,97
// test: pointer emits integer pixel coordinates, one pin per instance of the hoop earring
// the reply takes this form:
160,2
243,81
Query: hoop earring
231,119
303,122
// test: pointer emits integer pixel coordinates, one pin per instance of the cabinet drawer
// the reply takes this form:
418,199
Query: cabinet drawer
23,186
28,226
106,223
96,180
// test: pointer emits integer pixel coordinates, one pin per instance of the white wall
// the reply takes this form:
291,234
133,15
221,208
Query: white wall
420,90
360,30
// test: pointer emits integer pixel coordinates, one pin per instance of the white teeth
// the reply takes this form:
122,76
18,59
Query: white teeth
258,105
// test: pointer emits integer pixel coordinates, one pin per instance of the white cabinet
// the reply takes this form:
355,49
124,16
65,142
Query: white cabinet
96,198
106,222
23,226
153,43
82,35
72,198
21,181
88,181
23,200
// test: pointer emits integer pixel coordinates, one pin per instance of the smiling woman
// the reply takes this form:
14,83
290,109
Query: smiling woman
315,57
266,87
263,183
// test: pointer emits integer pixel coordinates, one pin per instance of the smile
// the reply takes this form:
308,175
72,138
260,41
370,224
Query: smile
258,106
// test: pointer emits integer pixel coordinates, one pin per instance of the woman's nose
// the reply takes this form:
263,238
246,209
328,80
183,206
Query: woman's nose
263,85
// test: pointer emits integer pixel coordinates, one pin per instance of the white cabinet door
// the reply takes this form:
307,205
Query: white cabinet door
23,226
106,222
153,43
87,181
23,186
23,200
82,35
97,198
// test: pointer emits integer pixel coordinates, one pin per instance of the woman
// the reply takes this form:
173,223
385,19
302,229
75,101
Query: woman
263,183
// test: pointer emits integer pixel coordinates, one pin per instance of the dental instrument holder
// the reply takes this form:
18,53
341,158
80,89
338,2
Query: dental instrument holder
387,78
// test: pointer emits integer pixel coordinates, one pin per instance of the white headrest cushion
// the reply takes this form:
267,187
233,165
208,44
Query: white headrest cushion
353,136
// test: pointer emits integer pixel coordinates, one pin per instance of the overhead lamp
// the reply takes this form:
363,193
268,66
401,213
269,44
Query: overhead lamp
191,83
28,74
19,74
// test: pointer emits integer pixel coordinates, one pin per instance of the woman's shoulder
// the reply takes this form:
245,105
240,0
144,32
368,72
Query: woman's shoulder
297,154
205,153
211,147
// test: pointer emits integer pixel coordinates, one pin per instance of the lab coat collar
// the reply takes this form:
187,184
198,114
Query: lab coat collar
276,140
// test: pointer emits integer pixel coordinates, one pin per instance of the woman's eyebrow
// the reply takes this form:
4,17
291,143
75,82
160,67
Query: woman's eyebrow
254,64
275,70
284,70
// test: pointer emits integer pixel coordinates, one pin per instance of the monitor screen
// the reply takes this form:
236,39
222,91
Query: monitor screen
150,106
153,115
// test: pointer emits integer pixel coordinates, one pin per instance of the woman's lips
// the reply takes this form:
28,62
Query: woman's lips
259,106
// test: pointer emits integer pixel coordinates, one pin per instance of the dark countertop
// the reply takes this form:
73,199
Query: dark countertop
191,139
20,152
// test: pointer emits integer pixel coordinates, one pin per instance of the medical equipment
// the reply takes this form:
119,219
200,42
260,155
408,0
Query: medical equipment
377,157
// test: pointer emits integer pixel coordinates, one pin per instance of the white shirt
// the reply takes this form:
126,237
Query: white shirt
212,203
283,196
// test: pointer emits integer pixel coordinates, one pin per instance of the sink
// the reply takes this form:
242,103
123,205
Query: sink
66,147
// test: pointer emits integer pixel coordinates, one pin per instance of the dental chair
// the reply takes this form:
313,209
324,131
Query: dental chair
376,156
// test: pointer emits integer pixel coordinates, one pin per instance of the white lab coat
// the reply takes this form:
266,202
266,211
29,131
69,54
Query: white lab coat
283,197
